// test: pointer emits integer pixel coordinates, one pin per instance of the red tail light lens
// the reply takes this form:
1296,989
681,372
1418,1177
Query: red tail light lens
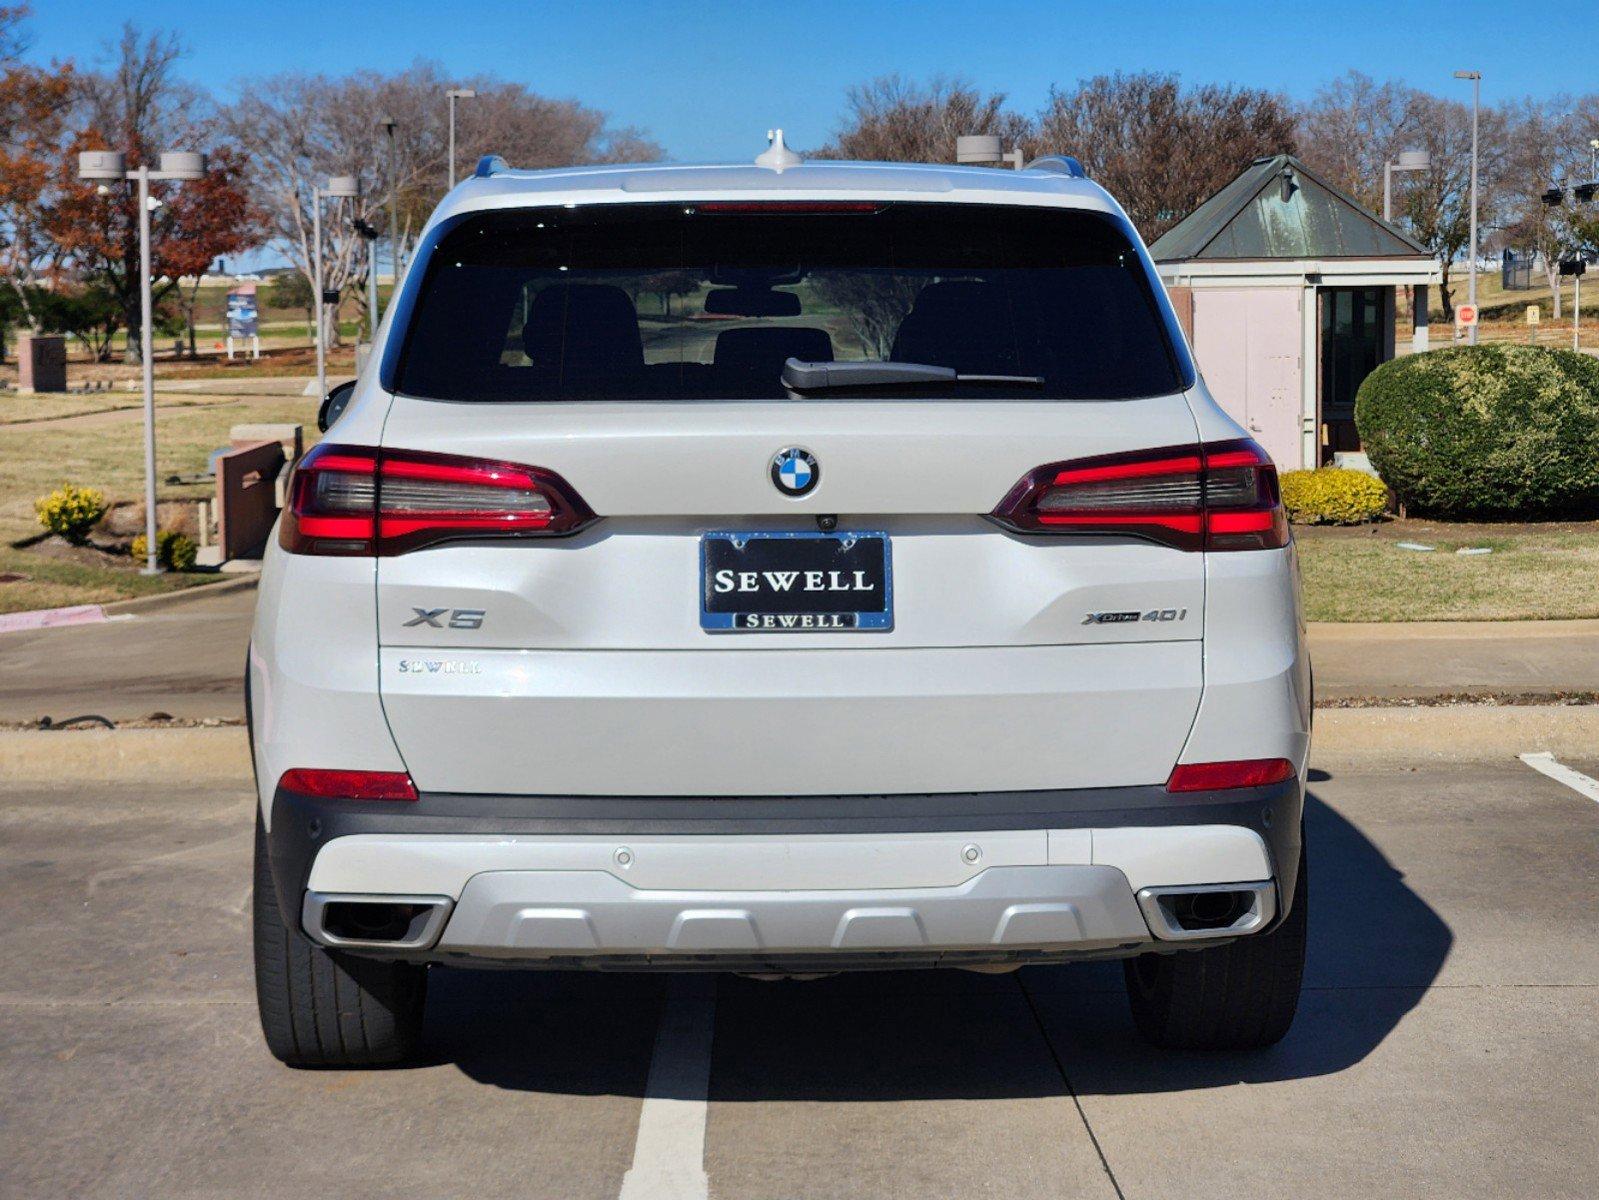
1218,496
348,785
1218,776
357,500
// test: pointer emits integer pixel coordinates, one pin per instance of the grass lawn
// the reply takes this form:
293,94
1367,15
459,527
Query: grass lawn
1535,571
105,450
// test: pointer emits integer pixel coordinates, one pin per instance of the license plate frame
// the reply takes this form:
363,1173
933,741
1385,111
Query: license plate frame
796,552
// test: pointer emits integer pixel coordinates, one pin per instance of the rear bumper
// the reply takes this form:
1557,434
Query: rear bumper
775,883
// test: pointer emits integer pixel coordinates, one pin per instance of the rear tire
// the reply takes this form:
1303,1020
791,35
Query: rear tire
1241,996
320,1008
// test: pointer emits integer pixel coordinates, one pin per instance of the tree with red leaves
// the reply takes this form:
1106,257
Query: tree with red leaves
33,109
140,108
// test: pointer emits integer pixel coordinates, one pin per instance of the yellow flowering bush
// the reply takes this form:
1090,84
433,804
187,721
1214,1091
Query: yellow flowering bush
1333,496
173,550
71,511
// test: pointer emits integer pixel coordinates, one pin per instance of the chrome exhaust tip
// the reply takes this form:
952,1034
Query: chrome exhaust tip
374,922
1179,914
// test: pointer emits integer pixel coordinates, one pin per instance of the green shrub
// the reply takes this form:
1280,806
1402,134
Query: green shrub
173,550
71,511
1486,431
1333,496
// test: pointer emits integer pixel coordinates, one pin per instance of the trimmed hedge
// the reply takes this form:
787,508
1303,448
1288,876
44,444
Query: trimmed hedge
1333,496
1486,431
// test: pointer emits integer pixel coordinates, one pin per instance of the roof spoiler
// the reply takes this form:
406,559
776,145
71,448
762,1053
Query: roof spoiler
1058,164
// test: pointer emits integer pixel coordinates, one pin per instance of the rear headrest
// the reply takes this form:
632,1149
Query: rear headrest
583,329
964,324
772,346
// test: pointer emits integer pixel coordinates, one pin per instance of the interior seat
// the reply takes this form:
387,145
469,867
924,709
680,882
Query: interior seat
963,324
770,346
584,332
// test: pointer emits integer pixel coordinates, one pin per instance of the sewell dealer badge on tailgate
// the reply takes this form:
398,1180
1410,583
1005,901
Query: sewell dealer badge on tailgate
796,582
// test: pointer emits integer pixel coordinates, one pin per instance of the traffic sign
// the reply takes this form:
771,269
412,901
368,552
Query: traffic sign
1534,314
1465,315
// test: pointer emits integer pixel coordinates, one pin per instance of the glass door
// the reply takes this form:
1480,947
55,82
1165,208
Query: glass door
1352,344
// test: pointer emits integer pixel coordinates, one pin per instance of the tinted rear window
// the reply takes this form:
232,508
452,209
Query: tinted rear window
683,301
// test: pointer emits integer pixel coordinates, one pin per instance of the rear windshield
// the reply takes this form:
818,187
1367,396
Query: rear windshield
686,301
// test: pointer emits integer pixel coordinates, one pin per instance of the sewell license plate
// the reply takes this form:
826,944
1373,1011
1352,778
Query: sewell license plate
796,582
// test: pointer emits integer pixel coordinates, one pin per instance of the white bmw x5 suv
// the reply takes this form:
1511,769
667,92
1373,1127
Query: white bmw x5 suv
785,569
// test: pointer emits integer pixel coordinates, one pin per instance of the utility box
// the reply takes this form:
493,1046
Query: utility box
41,363
247,502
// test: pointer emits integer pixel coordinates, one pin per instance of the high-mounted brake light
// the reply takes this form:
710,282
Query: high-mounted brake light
348,785
358,500
787,207
1219,776
1218,496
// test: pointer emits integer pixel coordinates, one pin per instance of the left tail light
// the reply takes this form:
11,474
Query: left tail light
1215,496
361,500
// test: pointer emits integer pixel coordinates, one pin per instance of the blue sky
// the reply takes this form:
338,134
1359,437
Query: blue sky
706,79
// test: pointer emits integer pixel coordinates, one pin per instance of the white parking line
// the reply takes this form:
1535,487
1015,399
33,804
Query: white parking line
669,1155
1547,764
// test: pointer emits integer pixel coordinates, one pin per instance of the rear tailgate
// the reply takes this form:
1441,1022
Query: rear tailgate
588,672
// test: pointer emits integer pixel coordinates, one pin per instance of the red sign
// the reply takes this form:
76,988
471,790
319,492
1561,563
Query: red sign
1465,315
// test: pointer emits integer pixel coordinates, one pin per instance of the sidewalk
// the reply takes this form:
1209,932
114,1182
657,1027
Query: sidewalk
1417,659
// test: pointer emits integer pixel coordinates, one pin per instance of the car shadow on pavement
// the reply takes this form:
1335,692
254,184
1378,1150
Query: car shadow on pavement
1375,946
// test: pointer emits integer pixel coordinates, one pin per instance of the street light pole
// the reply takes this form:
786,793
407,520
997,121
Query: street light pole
390,125
1408,160
987,148
108,165
1471,286
455,94
316,291
339,187
152,564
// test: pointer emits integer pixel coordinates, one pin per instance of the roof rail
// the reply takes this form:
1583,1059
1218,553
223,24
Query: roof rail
1058,164
489,164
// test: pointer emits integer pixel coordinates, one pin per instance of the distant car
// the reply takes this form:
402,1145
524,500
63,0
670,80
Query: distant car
923,611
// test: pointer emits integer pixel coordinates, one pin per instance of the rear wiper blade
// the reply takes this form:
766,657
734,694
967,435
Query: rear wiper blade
806,377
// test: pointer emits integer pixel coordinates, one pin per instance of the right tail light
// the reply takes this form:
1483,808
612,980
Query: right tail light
1215,496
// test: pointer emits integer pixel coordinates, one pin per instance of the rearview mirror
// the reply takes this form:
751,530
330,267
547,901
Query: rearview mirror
751,302
334,404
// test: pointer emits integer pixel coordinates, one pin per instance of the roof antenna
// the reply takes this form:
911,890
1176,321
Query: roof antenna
777,155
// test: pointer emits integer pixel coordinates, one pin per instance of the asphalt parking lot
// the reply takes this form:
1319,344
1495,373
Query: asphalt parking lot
1445,1045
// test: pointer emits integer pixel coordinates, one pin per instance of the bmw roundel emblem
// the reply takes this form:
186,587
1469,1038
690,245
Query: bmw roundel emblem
794,471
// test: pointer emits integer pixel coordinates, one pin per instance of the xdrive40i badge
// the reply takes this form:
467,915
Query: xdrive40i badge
1127,618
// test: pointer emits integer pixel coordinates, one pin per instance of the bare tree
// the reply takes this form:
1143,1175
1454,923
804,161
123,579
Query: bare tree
1162,149
1548,148
1437,206
893,120
1354,125
304,128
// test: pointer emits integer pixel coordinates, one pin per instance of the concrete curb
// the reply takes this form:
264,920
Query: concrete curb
1410,631
1464,734
1343,736
148,756
199,591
